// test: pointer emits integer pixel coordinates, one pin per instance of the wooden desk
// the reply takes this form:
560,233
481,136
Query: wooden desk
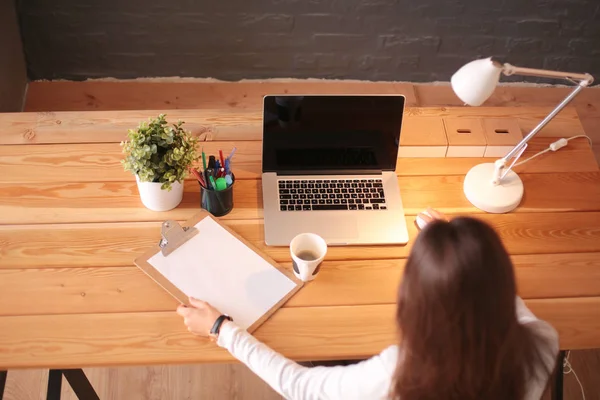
72,222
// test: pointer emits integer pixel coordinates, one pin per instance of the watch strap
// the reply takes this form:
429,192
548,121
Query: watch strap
216,328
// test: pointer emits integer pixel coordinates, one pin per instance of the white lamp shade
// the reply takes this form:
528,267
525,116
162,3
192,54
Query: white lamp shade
475,82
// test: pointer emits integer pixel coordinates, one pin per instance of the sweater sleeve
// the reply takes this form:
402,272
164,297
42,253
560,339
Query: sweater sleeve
367,379
548,347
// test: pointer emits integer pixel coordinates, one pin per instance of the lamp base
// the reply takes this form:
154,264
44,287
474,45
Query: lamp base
486,196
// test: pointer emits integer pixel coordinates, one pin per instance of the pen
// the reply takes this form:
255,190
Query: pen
210,172
212,182
227,169
232,153
203,159
198,176
217,165
222,160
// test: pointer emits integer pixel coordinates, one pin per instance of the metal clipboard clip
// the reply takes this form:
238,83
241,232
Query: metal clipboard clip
173,236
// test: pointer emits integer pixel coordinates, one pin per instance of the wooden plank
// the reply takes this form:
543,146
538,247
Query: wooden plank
376,281
134,95
92,290
161,337
97,162
112,126
543,193
101,162
111,201
117,244
226,124
576,320
119,201
78,340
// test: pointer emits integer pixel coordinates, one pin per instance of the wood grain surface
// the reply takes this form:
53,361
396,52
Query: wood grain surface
29,203
230,124
116,244
136,95
71,224
100,162
159,337
125,289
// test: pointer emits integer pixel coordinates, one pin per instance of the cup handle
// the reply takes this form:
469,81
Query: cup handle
301,270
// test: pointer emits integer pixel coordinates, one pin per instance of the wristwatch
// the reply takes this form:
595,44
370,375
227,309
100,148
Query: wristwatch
214,331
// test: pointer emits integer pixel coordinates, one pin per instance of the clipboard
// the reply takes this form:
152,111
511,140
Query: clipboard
247,285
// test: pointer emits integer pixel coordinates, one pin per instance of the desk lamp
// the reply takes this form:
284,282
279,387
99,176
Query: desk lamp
494,187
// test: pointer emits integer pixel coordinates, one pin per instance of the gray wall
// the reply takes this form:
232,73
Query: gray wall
13,75
413,40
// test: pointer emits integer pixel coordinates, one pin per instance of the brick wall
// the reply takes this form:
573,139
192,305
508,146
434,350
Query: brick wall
13,77
412,40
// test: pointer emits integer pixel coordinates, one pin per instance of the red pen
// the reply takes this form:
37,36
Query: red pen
222,159
198,176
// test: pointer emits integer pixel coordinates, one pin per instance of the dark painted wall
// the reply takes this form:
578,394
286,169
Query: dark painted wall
13,76
413,40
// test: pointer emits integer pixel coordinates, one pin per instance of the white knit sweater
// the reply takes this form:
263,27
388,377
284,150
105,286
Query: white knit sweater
369,379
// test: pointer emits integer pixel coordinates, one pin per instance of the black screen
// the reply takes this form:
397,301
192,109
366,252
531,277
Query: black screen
331,133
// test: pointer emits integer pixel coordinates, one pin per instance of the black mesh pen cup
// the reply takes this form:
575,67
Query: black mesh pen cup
217,202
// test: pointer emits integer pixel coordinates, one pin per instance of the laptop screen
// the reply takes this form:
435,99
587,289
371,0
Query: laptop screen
334,133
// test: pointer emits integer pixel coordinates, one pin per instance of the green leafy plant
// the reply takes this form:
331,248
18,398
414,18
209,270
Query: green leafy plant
157,152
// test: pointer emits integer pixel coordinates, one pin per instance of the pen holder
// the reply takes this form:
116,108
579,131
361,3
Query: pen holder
218,203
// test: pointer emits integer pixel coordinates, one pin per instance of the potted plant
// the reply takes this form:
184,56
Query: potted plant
159,155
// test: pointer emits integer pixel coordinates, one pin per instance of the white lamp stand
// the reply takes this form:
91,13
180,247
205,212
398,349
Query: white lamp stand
486,196
494,187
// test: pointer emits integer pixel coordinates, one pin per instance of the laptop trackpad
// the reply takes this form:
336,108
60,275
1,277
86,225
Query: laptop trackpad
333,230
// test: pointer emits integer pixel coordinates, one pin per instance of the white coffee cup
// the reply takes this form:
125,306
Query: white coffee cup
308,251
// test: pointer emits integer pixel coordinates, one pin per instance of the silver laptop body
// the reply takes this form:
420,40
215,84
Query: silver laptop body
329,166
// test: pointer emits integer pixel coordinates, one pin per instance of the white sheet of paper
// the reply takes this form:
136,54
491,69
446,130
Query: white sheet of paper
216,267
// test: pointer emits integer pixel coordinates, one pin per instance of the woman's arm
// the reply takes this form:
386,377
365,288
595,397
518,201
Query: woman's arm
546,333
547,343
369,379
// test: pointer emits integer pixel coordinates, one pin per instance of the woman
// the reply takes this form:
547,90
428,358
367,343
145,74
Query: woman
465,333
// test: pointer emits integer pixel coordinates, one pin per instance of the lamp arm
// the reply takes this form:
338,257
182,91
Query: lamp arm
585,80
544,122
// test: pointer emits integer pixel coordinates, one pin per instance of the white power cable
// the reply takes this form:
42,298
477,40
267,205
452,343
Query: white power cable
554,146
567,369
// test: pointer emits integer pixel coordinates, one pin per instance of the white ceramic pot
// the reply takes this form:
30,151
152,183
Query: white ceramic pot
156,199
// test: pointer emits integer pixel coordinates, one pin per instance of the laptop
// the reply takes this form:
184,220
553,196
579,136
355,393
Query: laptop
328,167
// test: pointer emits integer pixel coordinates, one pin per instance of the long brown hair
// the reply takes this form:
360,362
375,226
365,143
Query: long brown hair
457,317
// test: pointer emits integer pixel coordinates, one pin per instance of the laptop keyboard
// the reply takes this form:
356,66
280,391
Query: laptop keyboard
331,194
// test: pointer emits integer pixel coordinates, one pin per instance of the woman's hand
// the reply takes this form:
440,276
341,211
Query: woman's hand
433,215
199,316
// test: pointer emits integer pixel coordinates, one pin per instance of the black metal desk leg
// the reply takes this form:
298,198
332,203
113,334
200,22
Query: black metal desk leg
557,385
80,384
54,384
2,383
